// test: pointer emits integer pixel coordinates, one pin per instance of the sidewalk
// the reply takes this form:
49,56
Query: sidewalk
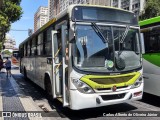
12,98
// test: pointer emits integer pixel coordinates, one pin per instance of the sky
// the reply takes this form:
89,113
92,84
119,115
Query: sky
29,7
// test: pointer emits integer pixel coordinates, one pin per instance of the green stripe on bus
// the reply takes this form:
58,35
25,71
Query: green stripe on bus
149,21
153,58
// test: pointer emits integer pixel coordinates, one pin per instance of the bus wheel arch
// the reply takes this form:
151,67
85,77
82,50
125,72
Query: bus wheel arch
47,85
25,73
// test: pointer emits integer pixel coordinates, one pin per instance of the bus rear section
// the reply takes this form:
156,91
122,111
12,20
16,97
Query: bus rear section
150,31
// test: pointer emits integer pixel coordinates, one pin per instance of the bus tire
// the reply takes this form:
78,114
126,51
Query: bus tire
25,74
48,87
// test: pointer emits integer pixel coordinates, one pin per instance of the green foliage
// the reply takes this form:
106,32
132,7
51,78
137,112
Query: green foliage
151,9
10,12
1,46
7,52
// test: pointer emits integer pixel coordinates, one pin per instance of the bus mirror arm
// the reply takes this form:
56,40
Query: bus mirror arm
71,36
142,43
72,33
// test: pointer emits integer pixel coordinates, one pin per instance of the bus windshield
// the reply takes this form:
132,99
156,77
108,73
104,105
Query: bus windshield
120,53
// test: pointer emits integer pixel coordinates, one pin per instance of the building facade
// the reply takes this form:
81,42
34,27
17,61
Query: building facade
40,17
9,43
136,6
57,6
50,9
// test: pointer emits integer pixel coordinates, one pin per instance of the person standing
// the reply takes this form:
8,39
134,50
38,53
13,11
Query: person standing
8,66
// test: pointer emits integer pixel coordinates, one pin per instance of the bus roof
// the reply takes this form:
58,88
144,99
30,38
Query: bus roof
70,8
63,13
150,21
101,6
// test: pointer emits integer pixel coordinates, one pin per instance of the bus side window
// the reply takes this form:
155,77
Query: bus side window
35,48
48,44
21,55
25,49
29,48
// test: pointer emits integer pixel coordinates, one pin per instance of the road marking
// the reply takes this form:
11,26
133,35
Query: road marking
29,105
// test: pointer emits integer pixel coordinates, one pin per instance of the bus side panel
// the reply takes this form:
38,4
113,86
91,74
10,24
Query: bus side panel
41,68
151,78
39,73
31,68
22,65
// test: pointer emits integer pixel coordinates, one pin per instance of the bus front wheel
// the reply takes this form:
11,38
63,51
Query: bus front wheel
48,87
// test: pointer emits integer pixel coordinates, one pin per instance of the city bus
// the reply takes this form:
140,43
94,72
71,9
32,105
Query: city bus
87,56
15,57
15,53
150,28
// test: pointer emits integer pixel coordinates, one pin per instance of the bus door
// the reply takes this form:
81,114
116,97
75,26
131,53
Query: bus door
60,64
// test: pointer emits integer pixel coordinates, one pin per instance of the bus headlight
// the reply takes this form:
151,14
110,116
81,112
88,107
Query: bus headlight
82,87
137,83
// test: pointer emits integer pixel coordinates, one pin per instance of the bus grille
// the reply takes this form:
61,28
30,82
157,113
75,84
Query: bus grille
110,88
112,80
113,97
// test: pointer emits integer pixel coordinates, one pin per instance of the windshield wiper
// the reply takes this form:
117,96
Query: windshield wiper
124,34
99,33
123,37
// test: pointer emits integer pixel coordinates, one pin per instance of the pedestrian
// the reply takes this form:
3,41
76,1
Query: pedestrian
8,66
1,63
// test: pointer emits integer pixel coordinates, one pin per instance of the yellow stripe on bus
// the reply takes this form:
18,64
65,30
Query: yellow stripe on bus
94,85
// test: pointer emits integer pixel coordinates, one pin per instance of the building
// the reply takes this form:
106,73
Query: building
136,6
40,17
57,6
9,43
50,9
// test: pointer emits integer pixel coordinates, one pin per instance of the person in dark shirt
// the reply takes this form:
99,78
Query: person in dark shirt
8,66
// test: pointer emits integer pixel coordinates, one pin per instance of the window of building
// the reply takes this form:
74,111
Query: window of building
137,5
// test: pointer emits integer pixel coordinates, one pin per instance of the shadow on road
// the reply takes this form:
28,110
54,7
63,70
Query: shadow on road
151,99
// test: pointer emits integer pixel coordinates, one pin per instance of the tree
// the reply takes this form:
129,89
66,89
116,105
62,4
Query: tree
151,9
10,11
7,52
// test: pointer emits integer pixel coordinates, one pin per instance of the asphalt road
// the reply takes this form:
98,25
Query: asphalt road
149,103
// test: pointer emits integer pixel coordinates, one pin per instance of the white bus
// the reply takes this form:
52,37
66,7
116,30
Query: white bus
88,56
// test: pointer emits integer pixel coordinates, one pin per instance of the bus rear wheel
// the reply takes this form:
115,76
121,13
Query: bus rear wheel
25,75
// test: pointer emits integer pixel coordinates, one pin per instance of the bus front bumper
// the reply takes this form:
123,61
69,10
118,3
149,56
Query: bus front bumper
81,101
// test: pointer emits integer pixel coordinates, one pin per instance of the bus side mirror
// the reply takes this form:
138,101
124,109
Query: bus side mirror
142,43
